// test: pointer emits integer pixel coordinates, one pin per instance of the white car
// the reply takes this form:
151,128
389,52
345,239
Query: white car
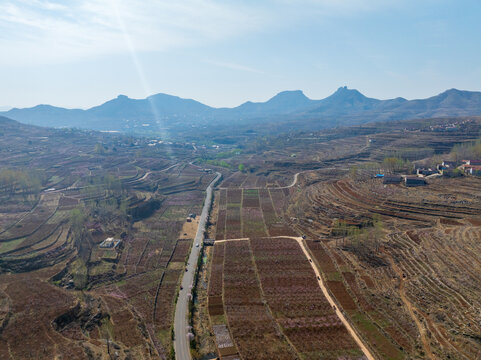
197,245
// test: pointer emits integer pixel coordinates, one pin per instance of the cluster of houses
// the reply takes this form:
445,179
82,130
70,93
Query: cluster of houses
472,167
468,167
409,180
447,168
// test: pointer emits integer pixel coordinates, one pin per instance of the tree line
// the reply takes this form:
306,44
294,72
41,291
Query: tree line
20,181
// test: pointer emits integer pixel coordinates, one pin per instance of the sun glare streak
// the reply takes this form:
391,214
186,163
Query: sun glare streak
159,125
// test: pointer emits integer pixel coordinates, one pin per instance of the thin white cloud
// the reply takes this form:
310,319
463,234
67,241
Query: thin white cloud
234,66
47,31
342,7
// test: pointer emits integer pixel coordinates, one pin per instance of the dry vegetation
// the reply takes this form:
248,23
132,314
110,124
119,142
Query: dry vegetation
63,296
402,263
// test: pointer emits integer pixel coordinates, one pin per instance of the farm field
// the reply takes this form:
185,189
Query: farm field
423,265
90,301
402,263
251,213
266,292
420,270
262,286
301,226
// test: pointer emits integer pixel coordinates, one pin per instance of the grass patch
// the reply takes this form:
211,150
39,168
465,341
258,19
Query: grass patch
178,265
233,205
164,336
79,272
10,245
110,254
101,268
370,329
218,319
334,276
174,212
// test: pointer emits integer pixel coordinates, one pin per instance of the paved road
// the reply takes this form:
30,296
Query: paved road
181,342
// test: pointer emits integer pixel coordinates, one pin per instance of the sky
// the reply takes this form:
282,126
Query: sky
79,54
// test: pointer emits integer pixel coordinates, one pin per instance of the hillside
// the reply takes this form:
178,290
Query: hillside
286,111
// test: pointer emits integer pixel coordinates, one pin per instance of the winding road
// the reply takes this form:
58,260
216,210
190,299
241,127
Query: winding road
181,341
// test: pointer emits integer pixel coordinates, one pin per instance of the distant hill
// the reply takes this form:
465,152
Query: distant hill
346,104
286,110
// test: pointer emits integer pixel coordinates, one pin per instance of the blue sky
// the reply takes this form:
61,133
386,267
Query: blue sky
223,52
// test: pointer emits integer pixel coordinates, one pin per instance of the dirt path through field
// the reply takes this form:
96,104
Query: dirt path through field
411,308
329,298
228,240
294,182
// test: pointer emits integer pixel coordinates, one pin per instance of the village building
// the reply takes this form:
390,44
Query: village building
473,170
472,167
110,243
414,181
446,164
472,162
392,179
426,172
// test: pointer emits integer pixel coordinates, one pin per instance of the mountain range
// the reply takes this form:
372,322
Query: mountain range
171,113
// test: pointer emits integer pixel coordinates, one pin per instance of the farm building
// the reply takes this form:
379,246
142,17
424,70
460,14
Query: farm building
452,172
392,179
426,172
209,242
472,162
473,170
414,181
449,164
110,243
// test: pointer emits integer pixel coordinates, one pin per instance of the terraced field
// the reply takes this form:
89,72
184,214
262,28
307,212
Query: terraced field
266,292
61,294
425,268
402,263
262,285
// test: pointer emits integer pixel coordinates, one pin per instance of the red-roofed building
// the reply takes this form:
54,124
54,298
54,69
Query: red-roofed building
473,169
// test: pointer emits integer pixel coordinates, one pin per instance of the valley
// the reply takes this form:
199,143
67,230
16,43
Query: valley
240,180
307,253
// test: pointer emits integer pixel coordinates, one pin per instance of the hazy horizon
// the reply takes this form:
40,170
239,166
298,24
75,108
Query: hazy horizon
6,108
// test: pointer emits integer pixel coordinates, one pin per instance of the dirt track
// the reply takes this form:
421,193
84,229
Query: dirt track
329,298
411,309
